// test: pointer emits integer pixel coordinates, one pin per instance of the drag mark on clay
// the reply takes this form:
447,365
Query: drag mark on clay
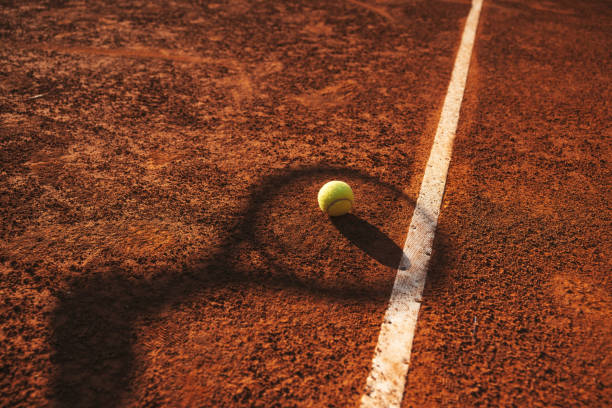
378,10
139,53
240,82
386,381
331,96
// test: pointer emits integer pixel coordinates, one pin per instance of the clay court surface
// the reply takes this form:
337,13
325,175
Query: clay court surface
161,243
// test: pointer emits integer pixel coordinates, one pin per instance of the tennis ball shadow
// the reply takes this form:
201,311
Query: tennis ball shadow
369,239
93,332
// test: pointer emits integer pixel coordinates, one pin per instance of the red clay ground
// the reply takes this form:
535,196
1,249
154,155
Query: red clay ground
161,243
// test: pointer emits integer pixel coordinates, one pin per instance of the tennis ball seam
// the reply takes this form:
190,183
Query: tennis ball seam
337,201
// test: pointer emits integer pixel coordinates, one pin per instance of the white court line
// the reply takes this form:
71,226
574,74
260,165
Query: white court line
385,384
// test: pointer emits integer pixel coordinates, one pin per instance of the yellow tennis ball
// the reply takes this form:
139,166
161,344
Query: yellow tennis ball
336,198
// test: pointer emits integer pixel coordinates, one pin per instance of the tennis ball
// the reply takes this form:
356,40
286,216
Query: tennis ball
336,198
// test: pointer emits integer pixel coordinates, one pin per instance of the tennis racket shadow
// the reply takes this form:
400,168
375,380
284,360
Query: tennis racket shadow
94,323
